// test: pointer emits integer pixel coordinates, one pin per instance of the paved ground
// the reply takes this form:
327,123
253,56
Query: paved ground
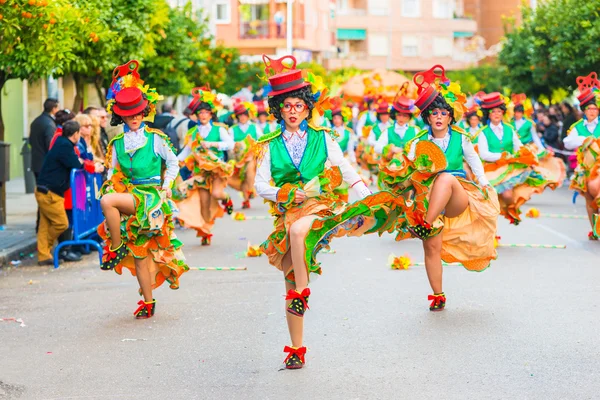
17,237
527,328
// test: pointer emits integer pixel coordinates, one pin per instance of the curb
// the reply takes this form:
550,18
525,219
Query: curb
26,246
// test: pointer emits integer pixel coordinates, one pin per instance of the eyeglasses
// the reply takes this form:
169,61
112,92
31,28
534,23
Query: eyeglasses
591,108
204,112
436,112
299,107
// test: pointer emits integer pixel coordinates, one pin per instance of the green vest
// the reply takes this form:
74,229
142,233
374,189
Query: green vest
343,140
524,132
267,129
141,164
239,135
584,132
494,145
377,131
454,152
313,161
396,140
369,121
213,136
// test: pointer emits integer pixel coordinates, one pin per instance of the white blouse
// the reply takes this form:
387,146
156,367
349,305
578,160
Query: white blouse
135,140
469,154
296,145
482,144
573,140
383,139
225,140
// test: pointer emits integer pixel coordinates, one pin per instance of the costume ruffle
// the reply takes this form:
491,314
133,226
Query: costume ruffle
205,167
334,219
588,166
517,173
366,157
467,238
148,233
553,169
244,159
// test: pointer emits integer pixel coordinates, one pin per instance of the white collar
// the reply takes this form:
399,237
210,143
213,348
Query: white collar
592,122
431,137
287,135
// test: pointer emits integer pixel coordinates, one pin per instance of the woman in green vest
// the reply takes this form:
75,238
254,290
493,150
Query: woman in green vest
472,123
454,217
367,118
204,149
366,155
509,166
263,118
245,133
345,138
393,140
136,199
553,169
299,167
584,136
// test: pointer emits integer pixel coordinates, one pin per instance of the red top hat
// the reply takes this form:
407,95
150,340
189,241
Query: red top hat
129,101
425,82
197,99
383,107
402,105
492,100
586,96
519,99
283,82
239,108
260,108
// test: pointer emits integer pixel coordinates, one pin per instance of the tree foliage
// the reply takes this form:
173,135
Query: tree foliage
555,43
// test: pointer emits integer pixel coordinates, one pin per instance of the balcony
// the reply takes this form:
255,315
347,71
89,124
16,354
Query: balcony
260,29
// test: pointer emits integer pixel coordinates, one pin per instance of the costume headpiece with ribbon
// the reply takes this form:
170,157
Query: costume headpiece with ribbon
240,107
128,95
203,95
492,100
286,78
521,99
338,108
432,83
589,88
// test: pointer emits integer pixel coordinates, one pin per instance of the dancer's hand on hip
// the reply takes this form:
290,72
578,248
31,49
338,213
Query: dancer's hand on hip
300,196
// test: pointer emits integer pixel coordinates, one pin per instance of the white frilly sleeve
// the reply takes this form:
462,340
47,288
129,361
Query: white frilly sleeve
162,148
262,183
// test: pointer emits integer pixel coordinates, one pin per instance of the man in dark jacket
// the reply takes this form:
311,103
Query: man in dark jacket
41,133
52,183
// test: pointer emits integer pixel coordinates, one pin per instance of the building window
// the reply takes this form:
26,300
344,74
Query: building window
410,46
378,44
222,12
379,7
443,9
442,47
411,8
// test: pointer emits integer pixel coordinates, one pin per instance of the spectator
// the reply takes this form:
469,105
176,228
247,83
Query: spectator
551,132
60,118
570,117
85,147
164,118
52,183
96,141
41,133
104,140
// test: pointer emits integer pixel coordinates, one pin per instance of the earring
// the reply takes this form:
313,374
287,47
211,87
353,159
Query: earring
304,126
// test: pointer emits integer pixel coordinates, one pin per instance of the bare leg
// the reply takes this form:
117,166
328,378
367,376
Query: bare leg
295,323
248,183
218,189
433,262
142,272
298,232
205,205
508,197
591,195
446,194
113,205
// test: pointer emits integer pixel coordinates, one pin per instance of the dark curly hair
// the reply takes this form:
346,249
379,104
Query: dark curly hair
118,120
438,102
63,116
394,112
304,94
519,108
486,112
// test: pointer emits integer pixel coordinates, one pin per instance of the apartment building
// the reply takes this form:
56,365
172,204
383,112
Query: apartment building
410,35
260,26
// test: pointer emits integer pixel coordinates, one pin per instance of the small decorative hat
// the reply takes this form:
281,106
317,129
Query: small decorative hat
588,87
403,105
260,108
492,100
286,78
240,107
128,95
203,95
434,82
383,107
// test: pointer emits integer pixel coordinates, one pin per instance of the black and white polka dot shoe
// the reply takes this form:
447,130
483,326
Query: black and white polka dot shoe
112,258
299,303
295,358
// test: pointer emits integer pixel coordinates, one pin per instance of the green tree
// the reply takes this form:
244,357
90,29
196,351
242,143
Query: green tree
555,43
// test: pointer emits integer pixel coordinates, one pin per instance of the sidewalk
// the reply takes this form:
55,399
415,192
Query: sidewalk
17,239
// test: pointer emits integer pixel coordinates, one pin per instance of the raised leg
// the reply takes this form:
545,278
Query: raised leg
113,205
447,194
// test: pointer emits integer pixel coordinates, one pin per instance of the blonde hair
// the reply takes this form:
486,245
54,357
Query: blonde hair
84,119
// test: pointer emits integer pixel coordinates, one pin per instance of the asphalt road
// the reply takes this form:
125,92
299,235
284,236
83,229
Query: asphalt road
527,328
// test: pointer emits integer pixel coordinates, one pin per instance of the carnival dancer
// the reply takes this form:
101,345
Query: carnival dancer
345,138
584,135
553,169
244,133
263,118
365,151
472,123
396,136
454,217
509,166
204,149
136,198
367,118
299,166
